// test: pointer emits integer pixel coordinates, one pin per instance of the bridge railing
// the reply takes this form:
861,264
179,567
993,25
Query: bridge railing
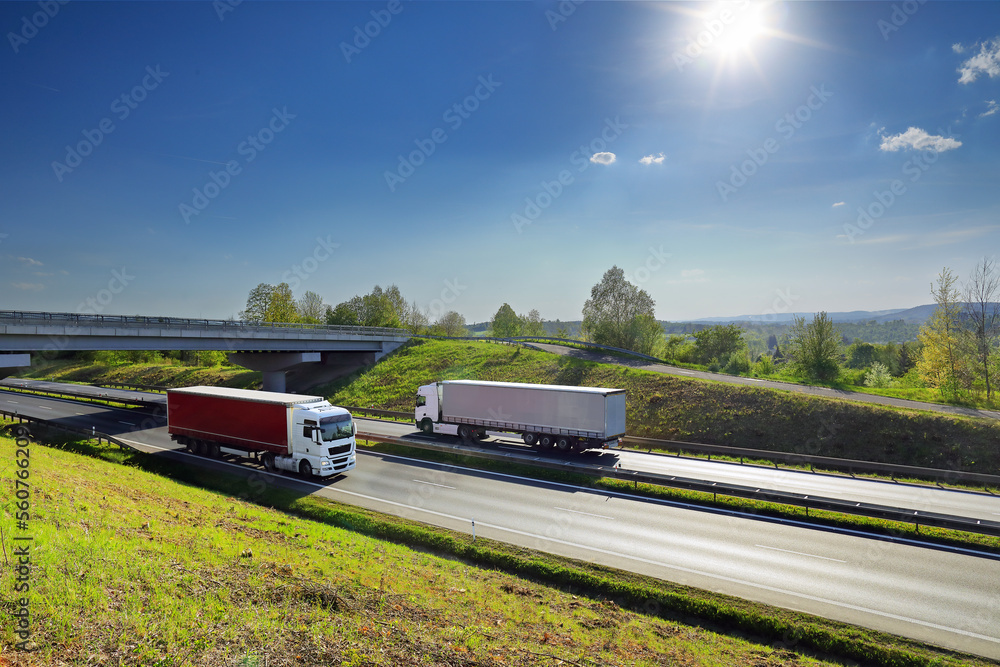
85,319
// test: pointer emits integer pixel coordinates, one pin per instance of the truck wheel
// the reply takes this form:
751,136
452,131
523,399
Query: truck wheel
212,450
427,426
465,432
268,460
189,445
199,447
564,444
545,442
305,469
530,439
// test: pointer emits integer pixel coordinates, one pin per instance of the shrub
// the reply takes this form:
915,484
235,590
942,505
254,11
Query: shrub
738,363
764,366
878,376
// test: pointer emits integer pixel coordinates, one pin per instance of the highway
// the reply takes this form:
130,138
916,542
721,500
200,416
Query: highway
917,497
942,597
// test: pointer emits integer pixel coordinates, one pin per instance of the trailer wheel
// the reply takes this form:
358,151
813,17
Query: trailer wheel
530,439
305,469
212,450
199,447
564,444
268,460
545,442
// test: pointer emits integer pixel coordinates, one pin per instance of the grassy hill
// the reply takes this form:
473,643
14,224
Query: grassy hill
661,406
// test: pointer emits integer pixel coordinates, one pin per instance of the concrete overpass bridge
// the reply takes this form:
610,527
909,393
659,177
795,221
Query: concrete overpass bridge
310,353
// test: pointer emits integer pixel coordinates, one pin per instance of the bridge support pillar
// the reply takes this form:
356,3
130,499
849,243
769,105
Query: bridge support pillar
10,363
274,365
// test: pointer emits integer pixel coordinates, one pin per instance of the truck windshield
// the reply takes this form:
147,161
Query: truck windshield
335,428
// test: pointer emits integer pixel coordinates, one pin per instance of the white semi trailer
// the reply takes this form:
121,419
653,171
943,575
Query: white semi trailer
544,415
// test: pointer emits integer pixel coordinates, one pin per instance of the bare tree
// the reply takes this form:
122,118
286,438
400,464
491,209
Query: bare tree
311,307
983,313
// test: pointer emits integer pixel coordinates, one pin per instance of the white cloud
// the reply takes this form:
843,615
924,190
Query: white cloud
603,158
29,261
994,107
840,203
957,48
29,287
918,139
692,273
987,61
653,159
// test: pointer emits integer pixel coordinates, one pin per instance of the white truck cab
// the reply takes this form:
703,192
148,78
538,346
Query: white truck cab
322,437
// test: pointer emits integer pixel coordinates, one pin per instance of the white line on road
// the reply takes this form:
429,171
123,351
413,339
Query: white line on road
799,553
599,516
43,407
443,486
128,423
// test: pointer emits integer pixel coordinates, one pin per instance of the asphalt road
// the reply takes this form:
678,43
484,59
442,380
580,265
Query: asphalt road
975,505
941,597
826,392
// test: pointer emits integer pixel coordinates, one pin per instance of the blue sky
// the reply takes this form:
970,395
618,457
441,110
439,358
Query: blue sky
164,158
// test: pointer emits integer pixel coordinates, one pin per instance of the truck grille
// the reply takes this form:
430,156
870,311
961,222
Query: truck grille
342,449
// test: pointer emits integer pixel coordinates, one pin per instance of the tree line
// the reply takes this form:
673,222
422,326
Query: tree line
956,350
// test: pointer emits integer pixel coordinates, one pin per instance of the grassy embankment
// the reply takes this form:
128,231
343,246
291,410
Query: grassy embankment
133,563
166,375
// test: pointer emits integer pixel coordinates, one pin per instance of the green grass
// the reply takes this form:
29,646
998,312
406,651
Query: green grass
160,374
687,409
130,566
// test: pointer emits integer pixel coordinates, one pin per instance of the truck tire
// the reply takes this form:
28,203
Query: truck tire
268,461
545,441
212,450
564,444
199,447
530,439
427,426
305,469
466,433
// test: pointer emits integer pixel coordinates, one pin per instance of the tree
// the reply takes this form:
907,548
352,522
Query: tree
342,315
614,313
505,323
531,324
415,321
815,348
718,343
270,303
940,362
452,324
983,314
861,355
311,308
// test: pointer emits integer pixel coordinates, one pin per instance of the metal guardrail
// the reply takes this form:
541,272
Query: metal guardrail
584,343
916,517
82,319
123,400
90,433
825,462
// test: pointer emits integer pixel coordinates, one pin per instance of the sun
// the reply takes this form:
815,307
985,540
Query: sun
745,28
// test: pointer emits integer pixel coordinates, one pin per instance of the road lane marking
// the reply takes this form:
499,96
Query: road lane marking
443,486
128,423
799,553
599,516
42,407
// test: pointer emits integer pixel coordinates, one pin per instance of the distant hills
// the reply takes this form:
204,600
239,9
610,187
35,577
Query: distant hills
916,315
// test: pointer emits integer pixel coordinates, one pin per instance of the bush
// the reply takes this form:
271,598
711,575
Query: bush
738,363
878,376
764,366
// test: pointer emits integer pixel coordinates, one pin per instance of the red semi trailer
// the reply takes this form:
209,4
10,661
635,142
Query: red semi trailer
285,431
